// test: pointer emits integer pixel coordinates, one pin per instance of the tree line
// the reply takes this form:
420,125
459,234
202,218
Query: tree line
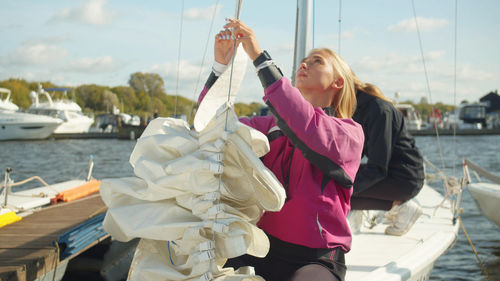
144,95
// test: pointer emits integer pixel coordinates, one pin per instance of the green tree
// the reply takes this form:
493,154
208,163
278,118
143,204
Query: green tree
19,91
91,96
150,83
110,99
128,99
251,109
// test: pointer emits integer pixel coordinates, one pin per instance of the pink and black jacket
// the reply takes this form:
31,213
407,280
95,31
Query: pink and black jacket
315,156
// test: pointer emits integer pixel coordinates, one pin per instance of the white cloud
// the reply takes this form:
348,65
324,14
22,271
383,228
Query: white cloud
202,13
187,70
395,63
92,65
424,24
189,78
92,12
35,53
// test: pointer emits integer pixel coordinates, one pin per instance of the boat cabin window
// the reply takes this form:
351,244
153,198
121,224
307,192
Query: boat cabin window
473,112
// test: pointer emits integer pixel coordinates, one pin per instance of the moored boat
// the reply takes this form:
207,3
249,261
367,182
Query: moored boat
48,226
5,103
15,125
74,121
412,118
377,256
485,194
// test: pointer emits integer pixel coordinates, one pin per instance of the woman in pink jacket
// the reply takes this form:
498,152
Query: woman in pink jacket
315,152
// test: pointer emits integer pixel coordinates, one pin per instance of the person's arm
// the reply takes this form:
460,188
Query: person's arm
379,143
333,145
217,70
223,52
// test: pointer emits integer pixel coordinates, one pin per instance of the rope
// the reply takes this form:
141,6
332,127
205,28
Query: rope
28,180
56,257
483,268
204,56
455,87
178,61
427,80
237,16
452,187
314,22
484,173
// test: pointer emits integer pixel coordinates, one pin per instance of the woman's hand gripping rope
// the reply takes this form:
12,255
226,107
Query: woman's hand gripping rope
235,30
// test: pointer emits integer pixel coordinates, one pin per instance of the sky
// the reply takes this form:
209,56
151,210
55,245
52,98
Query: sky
103,42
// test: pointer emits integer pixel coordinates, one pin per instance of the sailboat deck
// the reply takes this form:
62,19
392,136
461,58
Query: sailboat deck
376,256
27,249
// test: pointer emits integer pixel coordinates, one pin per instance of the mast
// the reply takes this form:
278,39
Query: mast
303,33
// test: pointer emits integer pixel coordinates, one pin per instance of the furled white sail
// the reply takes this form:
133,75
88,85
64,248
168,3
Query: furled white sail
195,199
226,85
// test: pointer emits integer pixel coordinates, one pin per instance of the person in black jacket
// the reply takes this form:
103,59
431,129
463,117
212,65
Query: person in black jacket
394,172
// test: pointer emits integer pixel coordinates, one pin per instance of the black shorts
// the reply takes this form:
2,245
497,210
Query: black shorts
285,258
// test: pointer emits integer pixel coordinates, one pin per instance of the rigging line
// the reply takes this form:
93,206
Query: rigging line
204,56
314,22
340,24
483,268
422,52
455,87
178,60
427,81
237,16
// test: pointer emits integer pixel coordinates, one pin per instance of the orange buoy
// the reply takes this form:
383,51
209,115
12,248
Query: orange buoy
78,192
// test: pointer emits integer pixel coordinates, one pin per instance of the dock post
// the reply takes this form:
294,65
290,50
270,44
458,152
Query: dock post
6,185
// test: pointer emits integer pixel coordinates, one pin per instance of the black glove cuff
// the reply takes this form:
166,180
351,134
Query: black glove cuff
261,58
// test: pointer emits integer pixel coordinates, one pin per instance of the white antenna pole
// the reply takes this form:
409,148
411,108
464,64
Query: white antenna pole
303,33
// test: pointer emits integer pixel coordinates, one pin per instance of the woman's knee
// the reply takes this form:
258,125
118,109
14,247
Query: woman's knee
313,272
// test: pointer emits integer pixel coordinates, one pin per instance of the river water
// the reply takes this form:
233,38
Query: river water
61,160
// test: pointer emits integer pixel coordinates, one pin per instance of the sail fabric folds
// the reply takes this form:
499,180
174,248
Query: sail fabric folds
228,82
195,199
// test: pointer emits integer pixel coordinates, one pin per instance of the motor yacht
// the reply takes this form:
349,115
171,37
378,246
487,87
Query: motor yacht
466,116
18,125
74,121
411,116
5,103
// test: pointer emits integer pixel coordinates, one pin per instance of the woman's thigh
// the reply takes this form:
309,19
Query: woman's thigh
313,272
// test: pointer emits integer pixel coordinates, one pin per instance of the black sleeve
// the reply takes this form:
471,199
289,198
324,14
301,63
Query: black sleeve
377,127
211,80
267,75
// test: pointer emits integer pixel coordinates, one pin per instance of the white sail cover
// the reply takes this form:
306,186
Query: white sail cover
195,199
227,84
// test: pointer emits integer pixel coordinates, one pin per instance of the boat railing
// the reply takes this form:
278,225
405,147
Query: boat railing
8,184
479,171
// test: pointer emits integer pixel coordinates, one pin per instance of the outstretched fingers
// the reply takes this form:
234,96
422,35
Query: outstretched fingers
244,35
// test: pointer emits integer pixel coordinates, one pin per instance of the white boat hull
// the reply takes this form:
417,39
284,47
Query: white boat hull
487,197
26,131
16,125
73,126
376,256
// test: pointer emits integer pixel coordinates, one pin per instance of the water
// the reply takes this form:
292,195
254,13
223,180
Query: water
460,262
61,160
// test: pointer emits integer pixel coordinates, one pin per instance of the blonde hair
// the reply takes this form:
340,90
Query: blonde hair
369,89
344,102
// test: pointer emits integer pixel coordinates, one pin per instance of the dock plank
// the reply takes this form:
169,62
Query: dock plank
27,249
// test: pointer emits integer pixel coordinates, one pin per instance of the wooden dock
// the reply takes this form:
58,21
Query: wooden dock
27,248
89,135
